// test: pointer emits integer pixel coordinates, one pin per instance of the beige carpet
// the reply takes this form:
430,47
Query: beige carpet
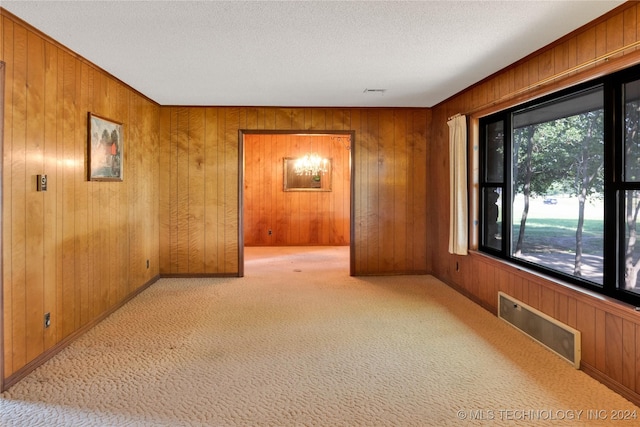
297,342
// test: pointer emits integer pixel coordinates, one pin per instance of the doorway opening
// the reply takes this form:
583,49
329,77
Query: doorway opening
280,205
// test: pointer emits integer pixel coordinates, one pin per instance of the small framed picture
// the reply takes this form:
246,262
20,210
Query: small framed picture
106,143
294,181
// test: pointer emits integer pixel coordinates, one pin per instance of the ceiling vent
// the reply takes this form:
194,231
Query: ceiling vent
375,91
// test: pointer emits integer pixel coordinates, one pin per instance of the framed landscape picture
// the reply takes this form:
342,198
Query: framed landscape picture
106,143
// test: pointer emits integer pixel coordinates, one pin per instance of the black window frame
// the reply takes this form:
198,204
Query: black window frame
614,185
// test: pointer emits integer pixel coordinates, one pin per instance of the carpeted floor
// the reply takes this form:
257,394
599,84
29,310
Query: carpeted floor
297,342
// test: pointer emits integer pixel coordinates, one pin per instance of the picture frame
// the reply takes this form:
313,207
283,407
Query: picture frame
294,182
105,149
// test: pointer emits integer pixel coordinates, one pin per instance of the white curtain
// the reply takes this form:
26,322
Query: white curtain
458,213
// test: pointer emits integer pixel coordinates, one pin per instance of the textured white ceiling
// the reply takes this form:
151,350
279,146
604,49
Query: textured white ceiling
304,53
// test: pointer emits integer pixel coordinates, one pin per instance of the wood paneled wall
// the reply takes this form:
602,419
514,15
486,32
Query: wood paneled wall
81,248
199,156
610,330
295,218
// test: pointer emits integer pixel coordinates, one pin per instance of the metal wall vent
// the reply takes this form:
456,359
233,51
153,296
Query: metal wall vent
556,336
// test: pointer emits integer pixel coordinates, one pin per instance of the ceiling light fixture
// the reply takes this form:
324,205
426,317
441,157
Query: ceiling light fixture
311,164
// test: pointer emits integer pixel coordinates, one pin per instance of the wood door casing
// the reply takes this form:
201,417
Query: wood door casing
274,217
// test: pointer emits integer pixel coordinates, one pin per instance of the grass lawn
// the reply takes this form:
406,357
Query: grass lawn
559,235
552,228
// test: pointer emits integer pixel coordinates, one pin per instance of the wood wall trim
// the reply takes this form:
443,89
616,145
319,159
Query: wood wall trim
241,178
622,390
61,345
611,305
198,275
608,65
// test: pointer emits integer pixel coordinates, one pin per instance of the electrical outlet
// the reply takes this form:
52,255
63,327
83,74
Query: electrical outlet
270,233
47,320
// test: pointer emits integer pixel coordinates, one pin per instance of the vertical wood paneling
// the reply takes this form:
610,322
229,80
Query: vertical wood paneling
7,206
636,373
68,201
165,182
386,188
220,201
173,191
211,190
83,264
34,231
281,223
2,78
628,341
610,340
17,169
2,20
231,172
560,309
295,218
97,241
586,44
283,118
400,195
57,322
123,247
67,250
560,58
371,188
359,156
630,25
601,39
417,191
547,300
195,193
382,136
268,203
613,346
615,32
572,313
52,256
182,175
135,223
533,298
137,253
586,324
545,65
503,283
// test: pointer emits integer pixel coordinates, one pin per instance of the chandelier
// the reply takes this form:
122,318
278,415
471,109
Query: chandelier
311,164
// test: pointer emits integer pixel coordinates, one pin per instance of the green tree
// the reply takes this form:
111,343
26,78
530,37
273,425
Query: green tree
632,198
540,162
564,154
586,137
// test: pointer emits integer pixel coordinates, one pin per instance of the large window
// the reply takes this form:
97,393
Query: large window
560,185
